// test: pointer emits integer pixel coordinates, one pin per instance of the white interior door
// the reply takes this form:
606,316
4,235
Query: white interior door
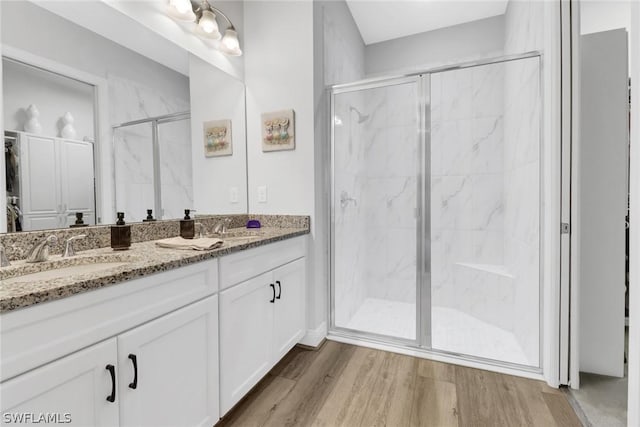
39,175
604,160
77,178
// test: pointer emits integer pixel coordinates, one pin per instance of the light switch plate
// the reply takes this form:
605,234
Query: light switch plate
262,194
233,194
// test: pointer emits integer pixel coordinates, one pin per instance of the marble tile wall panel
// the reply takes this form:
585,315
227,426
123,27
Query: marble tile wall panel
522,193
174,140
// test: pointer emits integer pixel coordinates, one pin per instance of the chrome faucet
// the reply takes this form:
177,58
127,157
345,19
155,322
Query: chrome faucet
68,247
202,230
4,261
40,251
222,226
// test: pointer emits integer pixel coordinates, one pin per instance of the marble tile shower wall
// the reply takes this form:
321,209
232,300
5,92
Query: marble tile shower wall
175,167
485,196
467,193
133,149
389,191
349,247
524,26
376,153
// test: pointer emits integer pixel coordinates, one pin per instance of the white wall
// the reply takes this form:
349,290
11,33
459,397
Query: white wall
633,406
28,27
279,74
216,95
52,94
338,58
152,14
478,39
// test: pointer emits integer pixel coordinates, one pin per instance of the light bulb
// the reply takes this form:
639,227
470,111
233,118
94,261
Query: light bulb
208,26
230,44
181,10
182,6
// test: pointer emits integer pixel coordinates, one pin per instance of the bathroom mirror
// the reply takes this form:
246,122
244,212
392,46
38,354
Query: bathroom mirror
140,131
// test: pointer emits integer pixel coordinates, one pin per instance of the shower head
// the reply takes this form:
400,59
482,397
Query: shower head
361,117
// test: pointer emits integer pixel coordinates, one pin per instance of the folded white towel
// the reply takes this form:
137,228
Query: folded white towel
202,244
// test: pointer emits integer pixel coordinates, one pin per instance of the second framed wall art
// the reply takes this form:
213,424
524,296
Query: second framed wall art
278,131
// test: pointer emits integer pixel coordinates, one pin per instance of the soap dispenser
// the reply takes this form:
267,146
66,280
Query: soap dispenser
120,234
187,226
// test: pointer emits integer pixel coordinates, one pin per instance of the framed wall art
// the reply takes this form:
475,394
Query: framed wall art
278,131
217,138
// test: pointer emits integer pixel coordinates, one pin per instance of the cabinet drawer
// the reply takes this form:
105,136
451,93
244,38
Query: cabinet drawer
241,266
36,335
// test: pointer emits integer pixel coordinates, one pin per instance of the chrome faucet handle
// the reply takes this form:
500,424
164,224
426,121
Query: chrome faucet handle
4,261
202,230
40,251
68,247
222,226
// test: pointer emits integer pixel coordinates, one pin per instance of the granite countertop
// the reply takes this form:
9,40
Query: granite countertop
140,260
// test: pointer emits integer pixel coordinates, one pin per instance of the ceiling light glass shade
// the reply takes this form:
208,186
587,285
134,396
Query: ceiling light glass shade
181,10
229,43
208,26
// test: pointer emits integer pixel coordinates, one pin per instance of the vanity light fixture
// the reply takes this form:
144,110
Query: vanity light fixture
205,18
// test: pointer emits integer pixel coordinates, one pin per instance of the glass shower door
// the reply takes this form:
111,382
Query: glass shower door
485,211
375,198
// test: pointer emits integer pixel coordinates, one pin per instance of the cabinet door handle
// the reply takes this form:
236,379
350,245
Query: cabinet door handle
134,360
273,288
279,289
112,370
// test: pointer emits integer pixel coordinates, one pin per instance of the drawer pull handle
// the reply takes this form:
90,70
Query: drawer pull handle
112,370
279,289
273,288
134,360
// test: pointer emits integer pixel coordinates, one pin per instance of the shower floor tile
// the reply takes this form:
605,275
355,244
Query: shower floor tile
452,331
458,332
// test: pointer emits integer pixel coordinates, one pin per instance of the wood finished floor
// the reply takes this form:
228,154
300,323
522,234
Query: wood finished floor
345,385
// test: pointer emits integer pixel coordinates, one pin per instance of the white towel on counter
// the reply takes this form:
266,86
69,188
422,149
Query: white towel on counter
202,244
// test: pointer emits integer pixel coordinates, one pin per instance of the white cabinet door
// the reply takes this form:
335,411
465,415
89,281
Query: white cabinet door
76,176
289,311
39,175
169,369
41,222
74,388
246,322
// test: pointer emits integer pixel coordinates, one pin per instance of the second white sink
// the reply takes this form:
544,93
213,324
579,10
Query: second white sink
64,272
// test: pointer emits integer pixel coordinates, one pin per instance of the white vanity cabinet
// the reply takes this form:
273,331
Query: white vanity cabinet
168,369
74,388
56,181
57,357
261,317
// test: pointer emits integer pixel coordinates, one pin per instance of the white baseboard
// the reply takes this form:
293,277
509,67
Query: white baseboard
314,337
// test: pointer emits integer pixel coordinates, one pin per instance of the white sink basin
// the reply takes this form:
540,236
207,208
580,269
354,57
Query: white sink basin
58,273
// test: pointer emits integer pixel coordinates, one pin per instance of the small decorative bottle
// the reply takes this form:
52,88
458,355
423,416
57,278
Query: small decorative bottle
79,221
187,226
120,234
32,125
68,131
149,217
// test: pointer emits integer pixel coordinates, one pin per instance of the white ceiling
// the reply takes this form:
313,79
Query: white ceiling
380,20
